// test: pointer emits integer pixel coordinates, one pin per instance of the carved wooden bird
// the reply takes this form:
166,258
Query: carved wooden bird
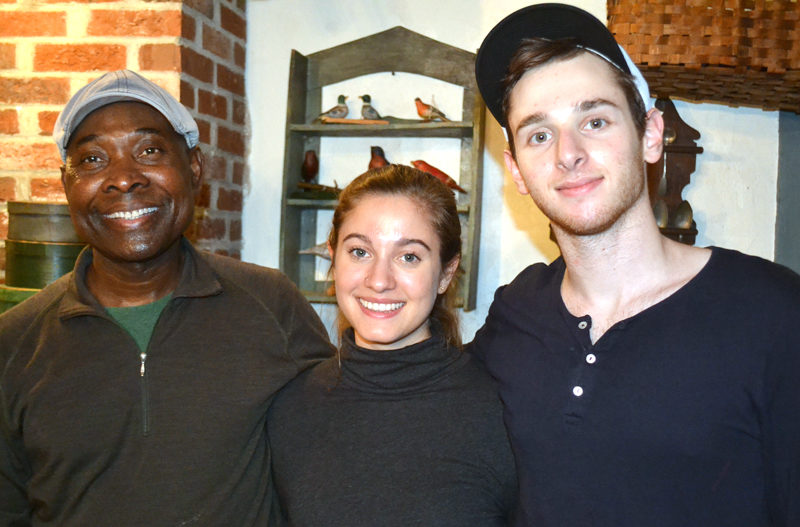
310,166
438,174
429,112
377,158
367,110
339,111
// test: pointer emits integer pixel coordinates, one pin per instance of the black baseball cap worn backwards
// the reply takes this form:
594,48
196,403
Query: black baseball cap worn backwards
552,22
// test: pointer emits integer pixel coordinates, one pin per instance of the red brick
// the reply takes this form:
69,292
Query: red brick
33,24
135,23
242,5
229,80
47,120
231,21
210,229
188,27
204,128
8,58
229,199
238,173
79,57
212,104
187,94
204,7
8,189
239,55
49,189
37,156
239,111
9,124
44,91
217,42
161,57
236,230
230,141
216,168
3,231
196,65
204,197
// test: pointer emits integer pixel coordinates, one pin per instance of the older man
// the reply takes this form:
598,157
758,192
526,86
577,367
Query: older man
645,382
134,389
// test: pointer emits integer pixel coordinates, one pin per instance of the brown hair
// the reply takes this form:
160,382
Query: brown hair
535,52
440,207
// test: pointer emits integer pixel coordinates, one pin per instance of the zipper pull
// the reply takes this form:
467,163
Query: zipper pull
141,370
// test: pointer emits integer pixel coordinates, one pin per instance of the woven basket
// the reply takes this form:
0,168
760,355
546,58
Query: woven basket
741,52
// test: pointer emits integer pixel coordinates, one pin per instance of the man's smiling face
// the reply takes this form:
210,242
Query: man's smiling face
578,153
130,181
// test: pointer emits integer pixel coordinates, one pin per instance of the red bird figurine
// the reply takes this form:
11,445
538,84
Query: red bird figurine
310,166
429,112
438,174
378,158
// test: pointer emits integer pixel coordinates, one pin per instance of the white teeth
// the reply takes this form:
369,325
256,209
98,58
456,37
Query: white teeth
373,306
131,214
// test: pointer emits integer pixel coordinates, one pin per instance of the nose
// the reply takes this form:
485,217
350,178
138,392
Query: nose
380,276
570,149
124,175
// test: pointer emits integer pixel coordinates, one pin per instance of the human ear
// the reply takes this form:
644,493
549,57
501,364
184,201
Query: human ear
653,143
511,165
448,273
197,164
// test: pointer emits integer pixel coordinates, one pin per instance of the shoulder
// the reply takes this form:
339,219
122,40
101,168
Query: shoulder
751,277
268,286
243,272
534,291
25,313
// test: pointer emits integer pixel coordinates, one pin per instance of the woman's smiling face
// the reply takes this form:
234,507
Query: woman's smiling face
388,272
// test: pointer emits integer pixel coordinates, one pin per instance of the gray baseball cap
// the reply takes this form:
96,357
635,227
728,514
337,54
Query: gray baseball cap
118,86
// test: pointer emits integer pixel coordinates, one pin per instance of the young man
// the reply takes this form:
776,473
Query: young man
645,382
134,390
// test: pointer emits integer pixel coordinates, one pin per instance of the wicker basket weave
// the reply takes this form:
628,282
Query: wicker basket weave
741,52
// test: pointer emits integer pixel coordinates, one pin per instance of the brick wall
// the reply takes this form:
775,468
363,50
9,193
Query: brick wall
194,48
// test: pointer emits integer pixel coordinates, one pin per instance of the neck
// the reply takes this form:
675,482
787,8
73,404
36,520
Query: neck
620,272
125,284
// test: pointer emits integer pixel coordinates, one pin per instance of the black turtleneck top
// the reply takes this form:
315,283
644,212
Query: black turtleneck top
393,438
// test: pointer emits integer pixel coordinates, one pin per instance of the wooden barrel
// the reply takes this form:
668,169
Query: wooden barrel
11,296
40,222
42,244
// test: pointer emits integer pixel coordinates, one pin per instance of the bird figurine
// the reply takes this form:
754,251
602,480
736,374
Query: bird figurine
377,158
310,167
337,112
429,112
367,110
320,249
438,174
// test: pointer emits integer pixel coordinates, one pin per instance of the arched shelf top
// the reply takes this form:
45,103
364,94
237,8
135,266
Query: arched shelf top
403,49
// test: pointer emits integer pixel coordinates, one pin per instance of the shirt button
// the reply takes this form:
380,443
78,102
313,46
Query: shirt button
582,324
590,358
577,391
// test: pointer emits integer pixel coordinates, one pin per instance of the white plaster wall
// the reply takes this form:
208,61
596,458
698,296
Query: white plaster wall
732,191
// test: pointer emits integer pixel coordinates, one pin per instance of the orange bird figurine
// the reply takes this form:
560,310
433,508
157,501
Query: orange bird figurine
378,158
438,174
429,112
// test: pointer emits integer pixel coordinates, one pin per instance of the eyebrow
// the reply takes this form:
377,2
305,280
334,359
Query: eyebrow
139,131
401,242
582,107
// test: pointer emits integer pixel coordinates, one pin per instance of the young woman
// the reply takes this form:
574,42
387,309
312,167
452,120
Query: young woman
401,428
